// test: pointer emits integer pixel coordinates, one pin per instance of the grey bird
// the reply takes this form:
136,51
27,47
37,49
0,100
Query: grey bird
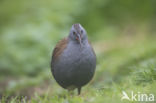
73,60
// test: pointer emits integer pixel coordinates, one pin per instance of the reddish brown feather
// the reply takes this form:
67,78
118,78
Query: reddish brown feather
60,46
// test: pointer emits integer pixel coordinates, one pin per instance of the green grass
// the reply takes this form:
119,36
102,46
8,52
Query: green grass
119,68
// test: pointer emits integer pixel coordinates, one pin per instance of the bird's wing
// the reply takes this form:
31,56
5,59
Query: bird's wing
60,46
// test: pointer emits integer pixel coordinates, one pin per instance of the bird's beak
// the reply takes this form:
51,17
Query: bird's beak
79,39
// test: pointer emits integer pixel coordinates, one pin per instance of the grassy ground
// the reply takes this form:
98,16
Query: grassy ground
124,64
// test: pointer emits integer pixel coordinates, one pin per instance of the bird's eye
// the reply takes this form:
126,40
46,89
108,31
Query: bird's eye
81,31
74,32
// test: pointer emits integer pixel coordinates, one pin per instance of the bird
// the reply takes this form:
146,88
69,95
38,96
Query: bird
73,60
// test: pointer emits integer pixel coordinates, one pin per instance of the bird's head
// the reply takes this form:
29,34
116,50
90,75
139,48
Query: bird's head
78,33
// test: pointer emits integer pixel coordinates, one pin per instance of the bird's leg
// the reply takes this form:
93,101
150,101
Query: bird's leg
79,90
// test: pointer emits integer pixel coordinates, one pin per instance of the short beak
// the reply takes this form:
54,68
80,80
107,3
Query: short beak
79,39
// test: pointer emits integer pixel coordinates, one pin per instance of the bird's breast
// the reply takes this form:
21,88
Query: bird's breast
76,64
78,57
77,53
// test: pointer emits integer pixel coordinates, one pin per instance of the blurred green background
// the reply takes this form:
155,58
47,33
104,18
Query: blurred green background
122,32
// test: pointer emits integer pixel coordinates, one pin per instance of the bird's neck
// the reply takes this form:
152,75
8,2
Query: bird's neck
83,42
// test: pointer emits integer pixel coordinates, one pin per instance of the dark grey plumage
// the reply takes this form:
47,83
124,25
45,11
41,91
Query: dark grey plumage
73,61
